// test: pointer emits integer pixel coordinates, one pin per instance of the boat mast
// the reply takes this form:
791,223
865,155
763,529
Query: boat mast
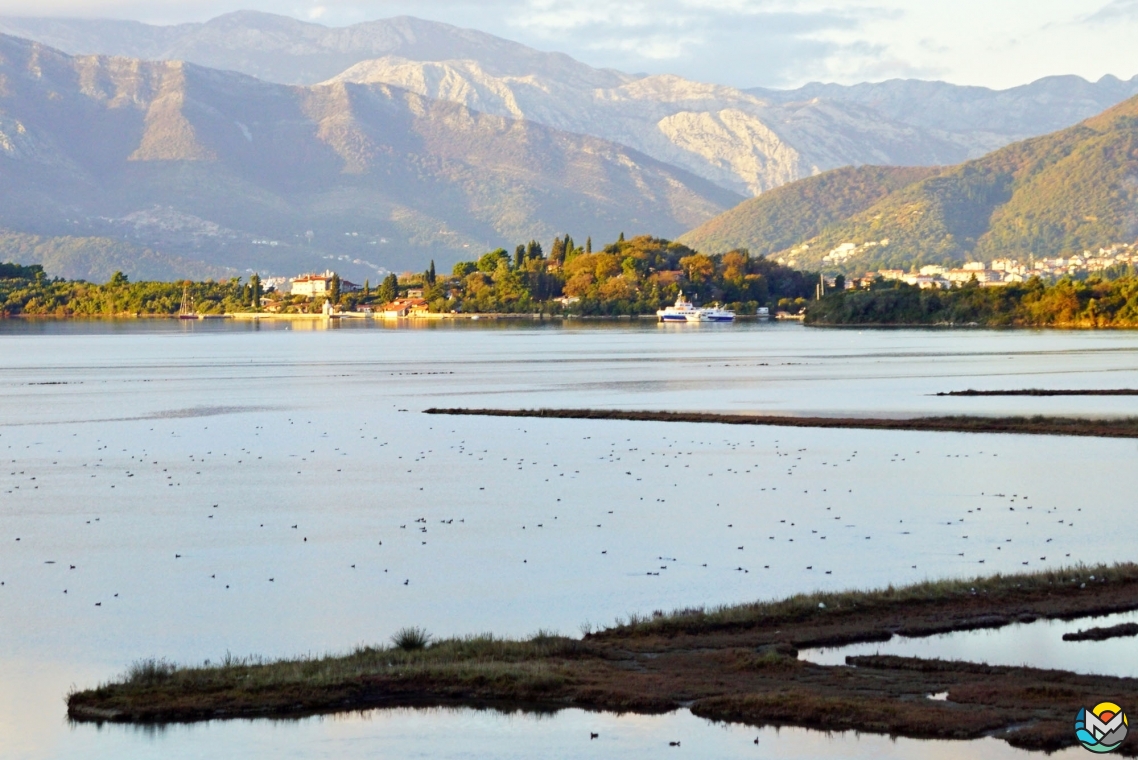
187,309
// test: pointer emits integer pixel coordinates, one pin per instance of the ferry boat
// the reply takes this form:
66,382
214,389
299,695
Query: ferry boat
712,314
682,311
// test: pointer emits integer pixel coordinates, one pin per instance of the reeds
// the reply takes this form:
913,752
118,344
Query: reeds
803,607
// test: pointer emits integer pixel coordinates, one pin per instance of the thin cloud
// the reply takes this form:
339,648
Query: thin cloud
741,43
1124,10
736,42
772,43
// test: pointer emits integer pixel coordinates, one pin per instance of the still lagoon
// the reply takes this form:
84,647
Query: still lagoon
188,490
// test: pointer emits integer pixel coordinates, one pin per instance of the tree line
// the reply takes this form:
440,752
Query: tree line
27,290
1095,301
626,277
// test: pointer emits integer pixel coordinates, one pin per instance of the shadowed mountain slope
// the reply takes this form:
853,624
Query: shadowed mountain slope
226,169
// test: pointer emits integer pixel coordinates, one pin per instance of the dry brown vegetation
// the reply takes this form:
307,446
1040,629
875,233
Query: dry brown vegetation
733,663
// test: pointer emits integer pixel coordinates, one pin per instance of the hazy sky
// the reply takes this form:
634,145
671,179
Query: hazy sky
998,43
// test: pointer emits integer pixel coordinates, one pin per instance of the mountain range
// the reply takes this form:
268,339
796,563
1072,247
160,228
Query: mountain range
980,118
288,51
227,170
258,141
745,141
1063,193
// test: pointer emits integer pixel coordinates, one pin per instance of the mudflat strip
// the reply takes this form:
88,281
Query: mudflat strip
1102,634
1047,392
1126,427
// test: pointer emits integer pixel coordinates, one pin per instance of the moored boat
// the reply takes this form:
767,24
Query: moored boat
712,314
187,309
680,312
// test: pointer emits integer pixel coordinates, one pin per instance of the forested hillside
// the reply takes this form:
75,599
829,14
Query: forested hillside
780,218
96,259
1062,193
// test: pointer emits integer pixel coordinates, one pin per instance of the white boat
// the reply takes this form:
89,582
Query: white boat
680,312
712,314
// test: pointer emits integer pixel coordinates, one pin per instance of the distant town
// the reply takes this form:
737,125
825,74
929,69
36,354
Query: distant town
1120,258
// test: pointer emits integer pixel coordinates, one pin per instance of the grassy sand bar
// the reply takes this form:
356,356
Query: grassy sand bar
734,663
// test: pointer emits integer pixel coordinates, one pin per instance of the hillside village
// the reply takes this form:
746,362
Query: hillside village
1120,259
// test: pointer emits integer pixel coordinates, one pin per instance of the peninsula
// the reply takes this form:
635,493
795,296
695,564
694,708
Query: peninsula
736,664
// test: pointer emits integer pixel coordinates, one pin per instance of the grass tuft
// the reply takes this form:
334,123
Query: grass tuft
411,639
149,672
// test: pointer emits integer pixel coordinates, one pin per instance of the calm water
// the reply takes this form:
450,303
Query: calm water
228,488
1038,645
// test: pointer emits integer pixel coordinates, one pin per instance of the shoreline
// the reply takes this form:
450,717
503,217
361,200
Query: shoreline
1126,427
538,317
269,317
734,663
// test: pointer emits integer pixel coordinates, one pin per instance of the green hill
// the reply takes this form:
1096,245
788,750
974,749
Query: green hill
1062,193
96,259
779,219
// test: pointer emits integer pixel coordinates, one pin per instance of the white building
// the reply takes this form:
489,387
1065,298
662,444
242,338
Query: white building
317,285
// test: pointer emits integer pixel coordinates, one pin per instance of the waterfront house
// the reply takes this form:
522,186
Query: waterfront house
318,285
406,307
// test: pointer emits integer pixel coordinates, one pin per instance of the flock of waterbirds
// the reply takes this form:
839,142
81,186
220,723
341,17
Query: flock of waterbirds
805,500
656,464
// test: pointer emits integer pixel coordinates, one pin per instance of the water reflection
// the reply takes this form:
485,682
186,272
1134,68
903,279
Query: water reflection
459,734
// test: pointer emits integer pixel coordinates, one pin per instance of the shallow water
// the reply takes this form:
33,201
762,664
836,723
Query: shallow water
1038,645
169,463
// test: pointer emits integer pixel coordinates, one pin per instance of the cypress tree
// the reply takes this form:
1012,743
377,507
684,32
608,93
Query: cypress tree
334,289
431,276
570,248
589,244
255,291
533,250
621,238
519,256
388,289
557,252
